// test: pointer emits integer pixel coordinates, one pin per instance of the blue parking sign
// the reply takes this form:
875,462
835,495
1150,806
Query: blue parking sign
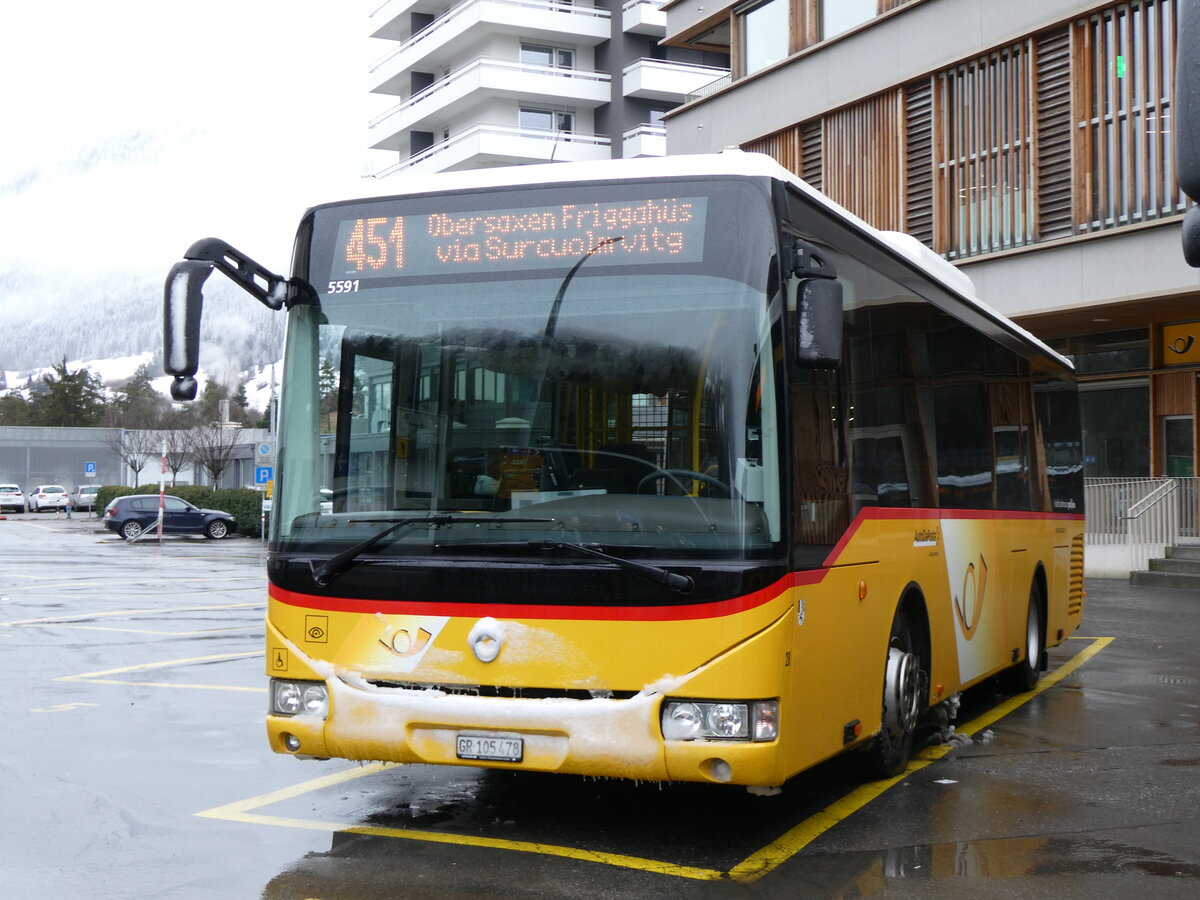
89,468
263,474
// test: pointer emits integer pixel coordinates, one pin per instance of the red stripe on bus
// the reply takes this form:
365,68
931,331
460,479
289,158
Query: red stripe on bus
684,612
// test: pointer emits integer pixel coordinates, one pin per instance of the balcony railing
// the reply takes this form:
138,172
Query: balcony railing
647,139
667,80
507,141
475,70
711,88
456,13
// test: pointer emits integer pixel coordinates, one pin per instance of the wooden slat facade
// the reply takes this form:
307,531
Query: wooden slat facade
863,153
1124,60
1058,134
983,153
918,149
1052,153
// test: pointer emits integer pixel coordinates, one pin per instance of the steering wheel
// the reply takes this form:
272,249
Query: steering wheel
675,474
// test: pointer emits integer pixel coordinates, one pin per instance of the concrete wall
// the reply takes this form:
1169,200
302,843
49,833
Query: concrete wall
1086,271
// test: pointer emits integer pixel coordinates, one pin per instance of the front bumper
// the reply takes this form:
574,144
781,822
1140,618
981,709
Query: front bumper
599,737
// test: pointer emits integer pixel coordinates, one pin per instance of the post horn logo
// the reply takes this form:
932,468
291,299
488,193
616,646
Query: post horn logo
403,644
1182,345
974,583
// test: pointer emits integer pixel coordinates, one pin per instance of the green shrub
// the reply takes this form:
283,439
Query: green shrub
244,504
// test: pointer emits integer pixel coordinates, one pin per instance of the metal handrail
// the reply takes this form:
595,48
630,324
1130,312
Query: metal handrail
1163,491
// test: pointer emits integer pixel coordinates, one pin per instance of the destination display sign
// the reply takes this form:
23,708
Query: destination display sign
631,232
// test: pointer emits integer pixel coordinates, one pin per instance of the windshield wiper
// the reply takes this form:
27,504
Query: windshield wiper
336,565
673,580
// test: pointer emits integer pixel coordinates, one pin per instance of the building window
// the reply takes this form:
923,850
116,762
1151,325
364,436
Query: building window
764,34
842,15
1113,351
1125,70
555,120
1115,419
550,57
983,149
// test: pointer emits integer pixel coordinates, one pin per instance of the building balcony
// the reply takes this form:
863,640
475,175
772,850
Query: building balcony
644,140
644,17
481,79
450,37
390,18
656,79
503,145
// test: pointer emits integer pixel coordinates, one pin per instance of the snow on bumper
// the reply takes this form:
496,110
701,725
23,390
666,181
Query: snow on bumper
617,738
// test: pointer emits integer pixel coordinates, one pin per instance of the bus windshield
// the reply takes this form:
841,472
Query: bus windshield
587,364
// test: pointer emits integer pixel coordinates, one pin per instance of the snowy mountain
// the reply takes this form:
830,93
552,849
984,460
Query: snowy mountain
113,331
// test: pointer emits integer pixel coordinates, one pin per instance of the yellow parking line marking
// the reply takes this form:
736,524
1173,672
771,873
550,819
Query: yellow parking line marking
132,612
202,631
792,842
142,667
242,811
60,707
751,869
104,584
177,684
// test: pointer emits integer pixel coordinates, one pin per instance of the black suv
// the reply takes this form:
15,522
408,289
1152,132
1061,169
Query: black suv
130,516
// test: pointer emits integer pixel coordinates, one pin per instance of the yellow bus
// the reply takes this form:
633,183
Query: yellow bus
653,469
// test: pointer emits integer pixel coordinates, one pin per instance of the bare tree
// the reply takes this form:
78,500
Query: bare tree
133,446
178,442
213,447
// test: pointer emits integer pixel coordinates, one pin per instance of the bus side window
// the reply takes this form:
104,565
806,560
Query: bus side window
820,503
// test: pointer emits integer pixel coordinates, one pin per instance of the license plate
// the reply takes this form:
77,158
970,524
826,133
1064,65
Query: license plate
492,747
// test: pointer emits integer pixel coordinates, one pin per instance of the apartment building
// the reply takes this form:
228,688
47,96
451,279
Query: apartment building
1027,141
509,82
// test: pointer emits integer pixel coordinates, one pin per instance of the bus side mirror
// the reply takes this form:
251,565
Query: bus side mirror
183,302
1186,122
817,341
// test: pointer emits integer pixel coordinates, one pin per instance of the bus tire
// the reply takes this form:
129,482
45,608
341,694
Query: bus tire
889,753
1023,677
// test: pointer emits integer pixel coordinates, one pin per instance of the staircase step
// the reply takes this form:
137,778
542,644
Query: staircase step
1175,564
1186,551
1182,580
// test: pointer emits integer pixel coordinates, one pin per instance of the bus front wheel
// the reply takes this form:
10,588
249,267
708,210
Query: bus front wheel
890,751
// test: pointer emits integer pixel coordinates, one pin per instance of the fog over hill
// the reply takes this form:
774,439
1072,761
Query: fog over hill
123,318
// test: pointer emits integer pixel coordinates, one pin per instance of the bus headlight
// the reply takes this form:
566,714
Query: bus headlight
728,720
293,698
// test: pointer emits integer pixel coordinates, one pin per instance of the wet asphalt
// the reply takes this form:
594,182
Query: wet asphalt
133,763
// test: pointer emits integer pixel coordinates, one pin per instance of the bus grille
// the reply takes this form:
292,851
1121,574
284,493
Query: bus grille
504,691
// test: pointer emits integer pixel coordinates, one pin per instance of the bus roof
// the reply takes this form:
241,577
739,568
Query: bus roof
731,161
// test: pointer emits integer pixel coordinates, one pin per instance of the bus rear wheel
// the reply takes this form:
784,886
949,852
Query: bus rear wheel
889,753
1023,677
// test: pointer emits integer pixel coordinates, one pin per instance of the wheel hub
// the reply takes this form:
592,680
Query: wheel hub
901,700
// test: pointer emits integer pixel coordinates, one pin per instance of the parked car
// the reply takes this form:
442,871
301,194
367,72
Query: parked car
11,498
85,496
48,496
130,516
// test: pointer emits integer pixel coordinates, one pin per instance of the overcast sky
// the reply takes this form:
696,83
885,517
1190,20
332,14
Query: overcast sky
134,127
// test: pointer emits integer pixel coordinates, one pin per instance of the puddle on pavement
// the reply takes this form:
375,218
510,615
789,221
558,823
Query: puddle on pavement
1018,858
